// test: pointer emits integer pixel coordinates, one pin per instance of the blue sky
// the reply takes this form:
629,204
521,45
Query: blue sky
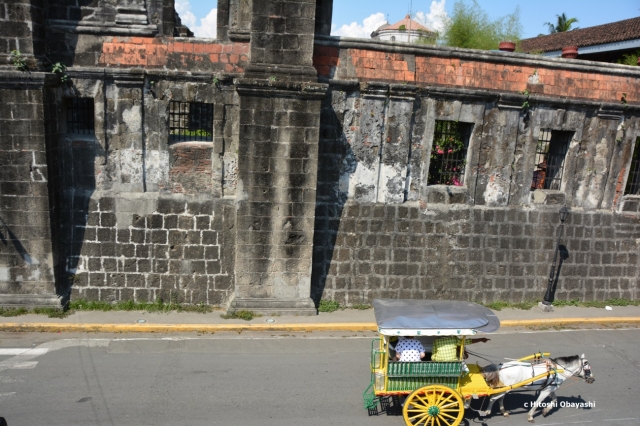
360,17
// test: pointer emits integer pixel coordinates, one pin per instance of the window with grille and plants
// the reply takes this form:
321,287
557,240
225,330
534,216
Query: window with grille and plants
551,151
79,116
190,121
449,153
633,181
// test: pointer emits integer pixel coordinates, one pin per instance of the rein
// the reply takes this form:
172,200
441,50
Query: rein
584,368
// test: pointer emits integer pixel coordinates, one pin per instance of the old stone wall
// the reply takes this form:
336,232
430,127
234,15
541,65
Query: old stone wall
275,162
181,250
276,205
26,255
382,230
22,29
476,253
140,216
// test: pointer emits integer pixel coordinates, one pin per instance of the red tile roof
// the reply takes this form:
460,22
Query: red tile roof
629,29
408,24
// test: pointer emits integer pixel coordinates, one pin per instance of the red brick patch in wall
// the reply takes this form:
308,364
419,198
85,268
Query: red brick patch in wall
376,65
163,52
325,59
619,186
512,78
190,171
384,66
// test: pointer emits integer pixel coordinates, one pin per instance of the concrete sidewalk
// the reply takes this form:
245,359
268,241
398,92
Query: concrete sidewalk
341,320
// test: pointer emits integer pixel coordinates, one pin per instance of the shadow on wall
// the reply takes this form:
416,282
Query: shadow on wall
76,168
563,253
5,233
336,163
6,237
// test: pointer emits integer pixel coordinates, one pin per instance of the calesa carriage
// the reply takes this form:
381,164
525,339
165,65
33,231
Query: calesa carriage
437,392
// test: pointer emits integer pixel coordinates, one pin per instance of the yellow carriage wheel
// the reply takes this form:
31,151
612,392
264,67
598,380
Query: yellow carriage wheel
434,405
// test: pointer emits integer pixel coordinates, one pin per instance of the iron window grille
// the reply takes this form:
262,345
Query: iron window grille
190,121
551,151
633,182
449,153
80,116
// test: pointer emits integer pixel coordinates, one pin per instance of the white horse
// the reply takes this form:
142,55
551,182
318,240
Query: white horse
514,372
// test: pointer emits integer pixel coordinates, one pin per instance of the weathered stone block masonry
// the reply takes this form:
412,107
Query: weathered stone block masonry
276,165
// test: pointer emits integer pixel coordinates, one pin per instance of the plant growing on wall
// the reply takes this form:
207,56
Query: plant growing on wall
61,69
18,61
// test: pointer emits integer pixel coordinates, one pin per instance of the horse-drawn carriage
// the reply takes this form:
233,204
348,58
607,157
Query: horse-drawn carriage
437,392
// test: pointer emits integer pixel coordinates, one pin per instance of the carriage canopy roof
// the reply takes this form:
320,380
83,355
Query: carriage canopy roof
403,317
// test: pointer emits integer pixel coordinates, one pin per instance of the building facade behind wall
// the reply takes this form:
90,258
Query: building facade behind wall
275,165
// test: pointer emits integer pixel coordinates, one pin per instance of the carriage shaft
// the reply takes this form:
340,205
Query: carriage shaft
524,383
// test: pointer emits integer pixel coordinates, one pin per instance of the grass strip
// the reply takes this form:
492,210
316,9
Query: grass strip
85,305
242,314
498,306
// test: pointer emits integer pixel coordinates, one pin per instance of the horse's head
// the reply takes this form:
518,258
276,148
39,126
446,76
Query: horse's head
491,374
585,371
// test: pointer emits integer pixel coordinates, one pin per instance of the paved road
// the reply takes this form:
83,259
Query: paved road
268,380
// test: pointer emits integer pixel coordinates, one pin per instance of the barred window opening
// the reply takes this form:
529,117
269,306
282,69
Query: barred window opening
80,116
551,151
190,121
633,182
449,153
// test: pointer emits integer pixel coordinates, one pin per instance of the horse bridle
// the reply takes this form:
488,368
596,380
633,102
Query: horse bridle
585,369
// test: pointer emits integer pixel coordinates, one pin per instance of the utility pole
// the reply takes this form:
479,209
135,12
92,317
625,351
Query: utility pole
410,12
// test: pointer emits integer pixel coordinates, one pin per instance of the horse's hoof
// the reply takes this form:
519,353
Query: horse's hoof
505,414
531,421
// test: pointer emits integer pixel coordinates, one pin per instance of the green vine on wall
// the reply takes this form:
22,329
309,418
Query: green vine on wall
18,61
61,70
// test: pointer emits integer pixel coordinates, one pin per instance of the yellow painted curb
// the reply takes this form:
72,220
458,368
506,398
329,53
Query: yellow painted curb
184,328
566,321
213,328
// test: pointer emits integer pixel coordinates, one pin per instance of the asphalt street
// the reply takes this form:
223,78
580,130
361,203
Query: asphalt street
273,379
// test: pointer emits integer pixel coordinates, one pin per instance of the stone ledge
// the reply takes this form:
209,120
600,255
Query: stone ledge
30,301
548,197
11,79
275,306
446,194
520,59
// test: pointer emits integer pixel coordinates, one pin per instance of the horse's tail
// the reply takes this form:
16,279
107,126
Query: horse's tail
491,374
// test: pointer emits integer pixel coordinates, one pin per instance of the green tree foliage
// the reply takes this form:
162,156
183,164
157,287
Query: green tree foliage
630,59
427,38
471,27
562,25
